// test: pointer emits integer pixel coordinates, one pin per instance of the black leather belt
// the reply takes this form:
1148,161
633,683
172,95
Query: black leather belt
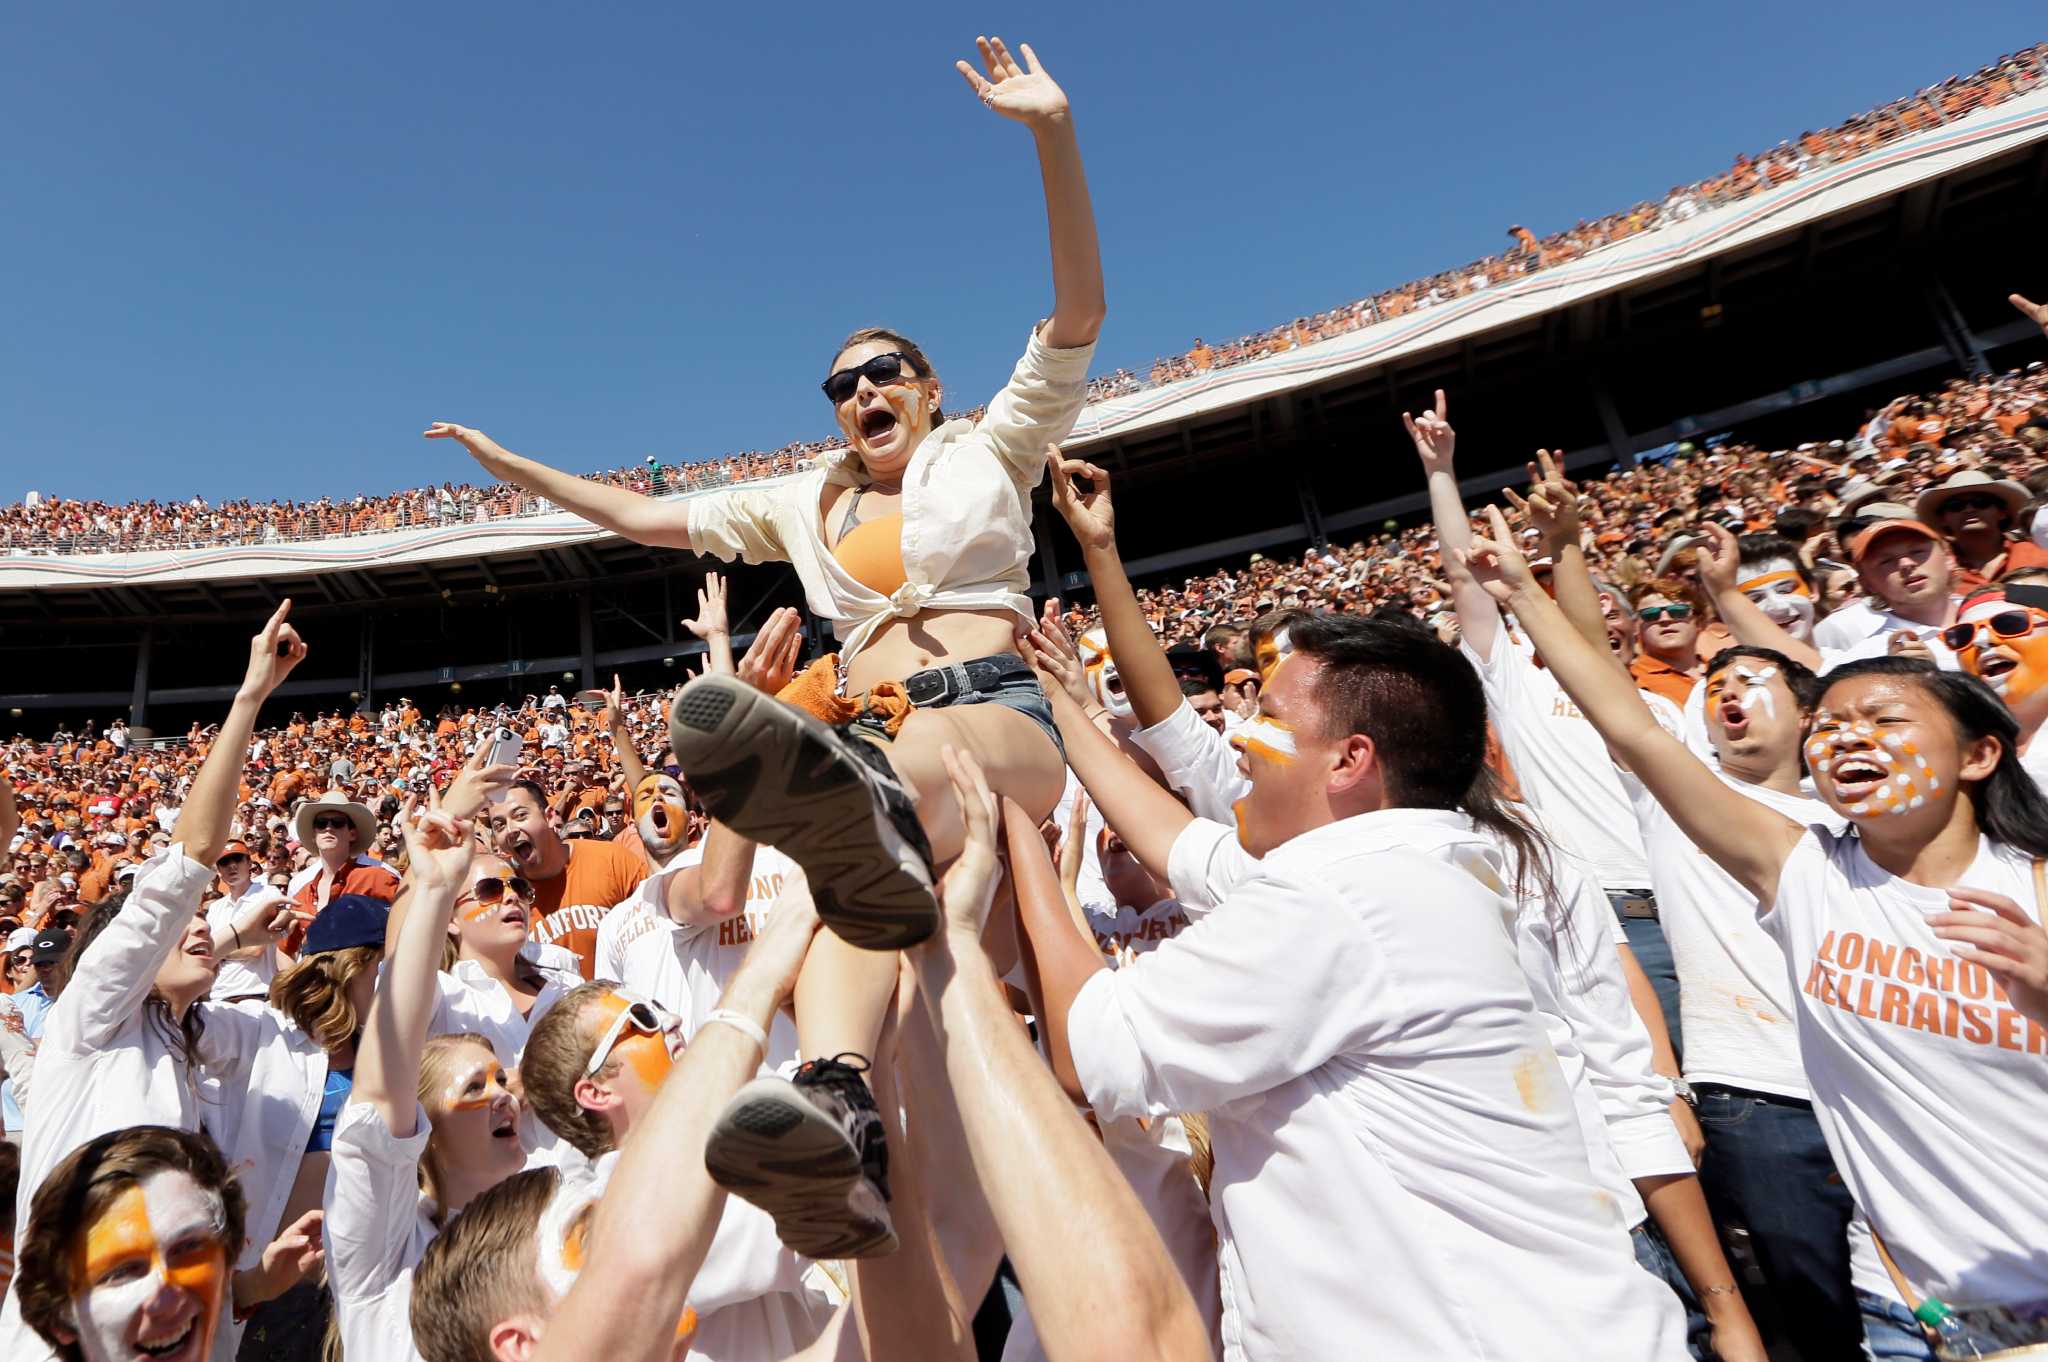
936,686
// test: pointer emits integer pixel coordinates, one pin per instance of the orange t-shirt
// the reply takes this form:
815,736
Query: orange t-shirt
568,907
1667,681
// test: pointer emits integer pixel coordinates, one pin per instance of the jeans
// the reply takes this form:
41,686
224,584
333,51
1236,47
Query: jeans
1646,942
1890,1333
1767,1169
1654,1256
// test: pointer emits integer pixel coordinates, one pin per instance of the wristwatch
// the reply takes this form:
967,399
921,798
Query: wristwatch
1684,1090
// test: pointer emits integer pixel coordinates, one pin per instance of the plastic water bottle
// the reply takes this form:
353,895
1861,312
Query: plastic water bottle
1953,1338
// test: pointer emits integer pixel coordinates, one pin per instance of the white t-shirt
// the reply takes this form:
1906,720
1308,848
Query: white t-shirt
1736,1001
248,978
1197,761
685,969
1931,1089
1562,764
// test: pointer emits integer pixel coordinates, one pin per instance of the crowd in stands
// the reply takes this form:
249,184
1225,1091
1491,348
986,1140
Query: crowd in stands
1962,469
54,525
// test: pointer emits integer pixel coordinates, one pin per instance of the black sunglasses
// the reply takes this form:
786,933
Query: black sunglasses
879,370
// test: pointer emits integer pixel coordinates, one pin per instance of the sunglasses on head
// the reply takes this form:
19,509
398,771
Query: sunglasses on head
887,368
2006,624
643,1017
491,888
1678,610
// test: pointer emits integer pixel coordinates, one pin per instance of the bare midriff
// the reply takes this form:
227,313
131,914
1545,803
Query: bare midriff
931,638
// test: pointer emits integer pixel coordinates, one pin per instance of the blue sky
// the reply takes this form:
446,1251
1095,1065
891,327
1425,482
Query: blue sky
255,249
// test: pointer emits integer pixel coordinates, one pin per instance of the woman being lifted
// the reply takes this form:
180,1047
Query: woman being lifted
913,540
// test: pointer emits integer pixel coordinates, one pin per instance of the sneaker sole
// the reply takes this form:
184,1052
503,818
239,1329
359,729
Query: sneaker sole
774,774
776,1151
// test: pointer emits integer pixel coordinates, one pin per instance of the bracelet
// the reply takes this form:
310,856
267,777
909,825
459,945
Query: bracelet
1726,1288
741,1023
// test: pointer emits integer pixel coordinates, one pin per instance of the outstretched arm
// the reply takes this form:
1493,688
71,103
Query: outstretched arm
209,808
1746,839
626,513
1435,443
1058,955
1552,510
1144,814
438,850
1028,95
1111,1292
1147,675
613,720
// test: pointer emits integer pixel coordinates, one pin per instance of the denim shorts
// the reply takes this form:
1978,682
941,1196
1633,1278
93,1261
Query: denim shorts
1003,679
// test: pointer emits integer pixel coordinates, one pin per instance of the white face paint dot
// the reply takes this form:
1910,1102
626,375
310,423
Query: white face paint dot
1859,808
1893,740
1933,784
1826,766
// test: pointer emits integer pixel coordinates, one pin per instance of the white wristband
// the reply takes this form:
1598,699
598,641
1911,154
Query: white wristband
741,1023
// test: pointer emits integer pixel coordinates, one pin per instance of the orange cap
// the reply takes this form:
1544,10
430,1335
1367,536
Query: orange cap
1862,542
235,848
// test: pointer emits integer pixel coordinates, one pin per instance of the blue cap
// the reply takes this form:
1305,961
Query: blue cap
348,920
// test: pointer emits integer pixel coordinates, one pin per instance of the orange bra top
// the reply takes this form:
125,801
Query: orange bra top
872,553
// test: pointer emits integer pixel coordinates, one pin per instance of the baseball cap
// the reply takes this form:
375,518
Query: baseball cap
49,946
1861,544
236,847
348,920
20,939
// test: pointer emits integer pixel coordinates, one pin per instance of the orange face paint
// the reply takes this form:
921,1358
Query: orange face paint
646,1055
164,1232
459,1097
1268,739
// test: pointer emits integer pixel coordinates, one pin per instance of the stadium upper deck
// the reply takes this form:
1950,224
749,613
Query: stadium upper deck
1263,395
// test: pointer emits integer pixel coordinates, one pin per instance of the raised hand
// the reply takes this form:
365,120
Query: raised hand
613,717
1494,561
1053,654
1434,439
1074,844
1552,506
437,848
481,447
273,653
710,617
1091,516
10,820
969,887
1024,93
771,659
2037,313
474,784
1993,931
1718,560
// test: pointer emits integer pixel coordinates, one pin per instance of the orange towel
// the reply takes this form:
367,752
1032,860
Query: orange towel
815,691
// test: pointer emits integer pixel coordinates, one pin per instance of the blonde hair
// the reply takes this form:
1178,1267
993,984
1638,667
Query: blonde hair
437,1070
313,991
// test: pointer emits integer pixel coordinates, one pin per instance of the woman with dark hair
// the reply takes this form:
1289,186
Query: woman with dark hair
132,1040
914,541
1913,938
129,1245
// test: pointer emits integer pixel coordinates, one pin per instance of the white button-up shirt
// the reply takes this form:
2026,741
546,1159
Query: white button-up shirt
966,508
105,1064
1400,1168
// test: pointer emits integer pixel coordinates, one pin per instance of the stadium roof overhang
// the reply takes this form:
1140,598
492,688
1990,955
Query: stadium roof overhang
1874,202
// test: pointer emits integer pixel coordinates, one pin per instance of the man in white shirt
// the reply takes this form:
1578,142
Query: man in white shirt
1908,573
1375,1073
246,966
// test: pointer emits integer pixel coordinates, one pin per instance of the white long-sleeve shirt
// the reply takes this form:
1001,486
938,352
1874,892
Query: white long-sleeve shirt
105,1063
967,536
1400,1169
